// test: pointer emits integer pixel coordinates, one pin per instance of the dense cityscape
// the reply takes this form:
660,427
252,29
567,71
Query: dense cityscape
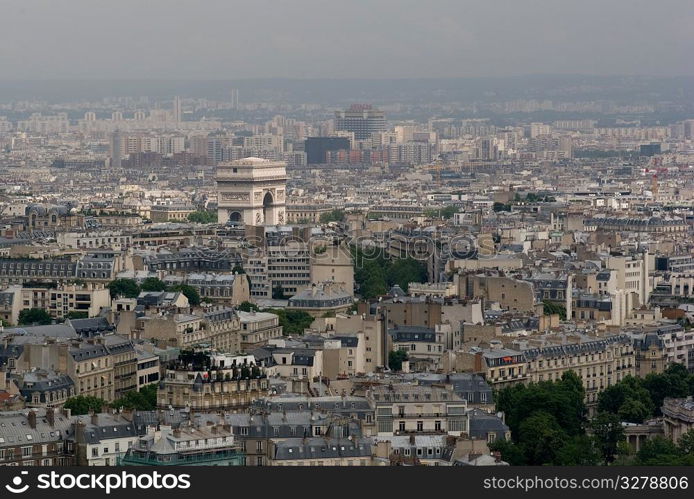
183,284
381,234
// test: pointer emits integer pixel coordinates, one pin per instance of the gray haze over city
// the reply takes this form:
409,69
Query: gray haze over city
220,39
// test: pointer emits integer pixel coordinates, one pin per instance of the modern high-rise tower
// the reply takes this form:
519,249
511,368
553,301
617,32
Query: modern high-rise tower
177,112
362,120
234,98
116,149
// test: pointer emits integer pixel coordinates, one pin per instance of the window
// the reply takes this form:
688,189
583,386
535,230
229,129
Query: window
401,426
420,425
437,425
26,451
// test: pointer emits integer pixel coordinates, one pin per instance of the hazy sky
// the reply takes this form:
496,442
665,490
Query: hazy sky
230,39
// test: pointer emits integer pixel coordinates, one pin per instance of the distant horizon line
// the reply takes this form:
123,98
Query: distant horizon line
387,78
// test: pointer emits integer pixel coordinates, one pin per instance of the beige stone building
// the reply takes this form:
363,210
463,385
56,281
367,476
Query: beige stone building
59,302
511,294
217,390
678,417
332,263
170,213
257,328
404,408
375,341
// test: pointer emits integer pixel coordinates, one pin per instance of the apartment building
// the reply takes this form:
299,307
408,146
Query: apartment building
35,437
403,408
103,367
187,445
257,329
102,439
204,390
599,363
420,343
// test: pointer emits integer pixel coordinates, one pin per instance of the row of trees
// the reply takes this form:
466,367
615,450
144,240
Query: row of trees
332,216
129,288
144,400
375,274
203,217
637,399
445,213
40,317
549,424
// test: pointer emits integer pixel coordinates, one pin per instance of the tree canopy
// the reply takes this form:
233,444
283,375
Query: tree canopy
82,404
247,306
203,217
396,358
375,274
153,284
144,400
189,292
332,216
551,308
293,322
445,213
547,422
34,316
127,288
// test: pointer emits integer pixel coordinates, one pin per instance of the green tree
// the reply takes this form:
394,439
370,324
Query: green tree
686,443
189,292
445,213
551,308
143,400
608,432
127,288
396,358
541,438
374,274
152,284
510,452
501,207
332,216
577,451
563,399
633,411
82,404
404,271
658,451
34,317
247,306
203,217
293,322
612,398
673,382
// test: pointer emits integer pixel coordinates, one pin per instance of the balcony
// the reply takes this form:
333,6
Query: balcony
421,415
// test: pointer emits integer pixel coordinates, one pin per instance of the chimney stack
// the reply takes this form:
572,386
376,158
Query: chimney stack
32,419
50,416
